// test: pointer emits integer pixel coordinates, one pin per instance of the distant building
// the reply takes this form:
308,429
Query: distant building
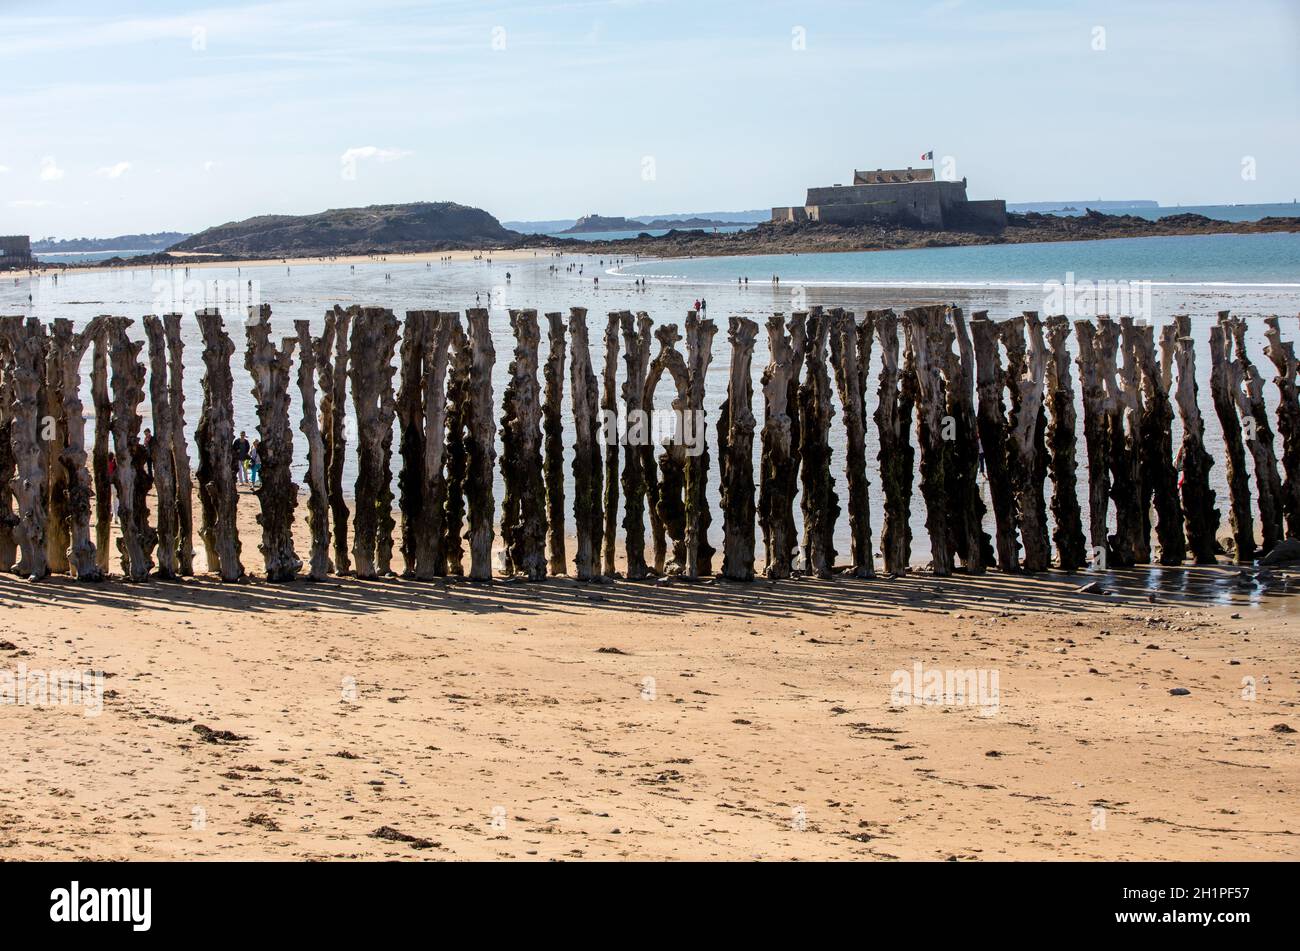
15,251
909,196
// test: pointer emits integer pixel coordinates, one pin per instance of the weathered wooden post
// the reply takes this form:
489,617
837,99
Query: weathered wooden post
523,521
103,408
1096,435
137,539
1282,355
461,357
636,350
553,444
1026,472
609,429
482,446
164,424
1132,519
819,503
1222,384
431,558
53,438
587,471
779,462
665,489
81,559
1071,549
972,544
374,338
893,416
180,453
994,436
1248,390
269,367
848,382
736,453
1200,516
27,346
218,497
699,354
410,427
8,517
925,330
318,513
334,394
1159,477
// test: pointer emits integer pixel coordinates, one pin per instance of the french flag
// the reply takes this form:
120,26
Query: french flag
927,156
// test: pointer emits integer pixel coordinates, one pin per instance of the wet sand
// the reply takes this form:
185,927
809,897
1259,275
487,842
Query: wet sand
653,721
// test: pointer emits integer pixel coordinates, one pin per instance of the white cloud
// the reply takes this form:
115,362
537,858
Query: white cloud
114,171
50,171
209,165
351,156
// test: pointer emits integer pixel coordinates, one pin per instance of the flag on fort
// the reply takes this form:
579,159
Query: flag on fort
928,156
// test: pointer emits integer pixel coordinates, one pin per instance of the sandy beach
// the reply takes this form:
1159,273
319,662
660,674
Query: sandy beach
557,721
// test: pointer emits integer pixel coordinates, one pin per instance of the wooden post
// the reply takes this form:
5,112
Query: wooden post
736,453
338,323
374,338
609,411
8,468
523,521
1200,517
431,557
587,470
179,449
278,495
53,438
1282,355
482,446
1248,390
1071,549
457,447
848,382
103,408
553,444
410,426
218,497
665,490
137,540
893,417
636,349
972,544
164,425
318,514
779,463
699,354
1222,384
1159,477
82,561
820,504
1096,424
1027,468
1132,542
924,328
994,436
27,345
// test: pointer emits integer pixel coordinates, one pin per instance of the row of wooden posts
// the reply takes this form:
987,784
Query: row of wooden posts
994,393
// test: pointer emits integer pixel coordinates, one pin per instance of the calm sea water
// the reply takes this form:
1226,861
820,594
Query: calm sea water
1249,274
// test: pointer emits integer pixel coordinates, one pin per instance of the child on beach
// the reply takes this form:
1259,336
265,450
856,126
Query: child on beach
255,463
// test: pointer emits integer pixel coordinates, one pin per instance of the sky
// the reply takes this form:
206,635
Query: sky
177,116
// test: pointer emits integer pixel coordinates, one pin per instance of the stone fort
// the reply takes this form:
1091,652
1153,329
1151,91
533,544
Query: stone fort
15,251
910,196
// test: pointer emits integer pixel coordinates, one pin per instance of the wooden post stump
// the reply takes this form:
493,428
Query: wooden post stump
736,453
820,504
587,471
553,444
218,497
779,463
1200,517
318,513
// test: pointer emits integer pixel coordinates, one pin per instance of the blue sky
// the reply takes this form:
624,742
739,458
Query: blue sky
158,116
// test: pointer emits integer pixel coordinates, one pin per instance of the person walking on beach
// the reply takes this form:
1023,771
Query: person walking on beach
255,463
239,455
112,482
148,452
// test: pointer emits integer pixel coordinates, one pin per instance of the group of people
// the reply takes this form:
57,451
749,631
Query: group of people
247,460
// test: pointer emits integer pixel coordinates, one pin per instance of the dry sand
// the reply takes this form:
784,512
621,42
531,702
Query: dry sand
635,720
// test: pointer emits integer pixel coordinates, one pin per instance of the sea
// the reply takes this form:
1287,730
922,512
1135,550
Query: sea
1255,275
